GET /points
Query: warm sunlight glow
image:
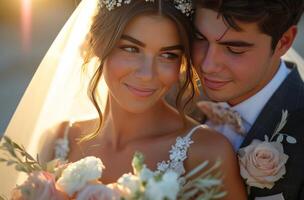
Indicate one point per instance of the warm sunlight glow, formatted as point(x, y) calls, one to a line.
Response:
point(26, 24)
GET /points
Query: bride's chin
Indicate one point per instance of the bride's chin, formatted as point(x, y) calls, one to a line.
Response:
point(137, 109)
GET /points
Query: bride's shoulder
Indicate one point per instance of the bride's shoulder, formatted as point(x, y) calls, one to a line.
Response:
point(74, 129)
point(209, 145)
point(67, 135)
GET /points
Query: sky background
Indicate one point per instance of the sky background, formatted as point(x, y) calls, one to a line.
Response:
point(19, 59)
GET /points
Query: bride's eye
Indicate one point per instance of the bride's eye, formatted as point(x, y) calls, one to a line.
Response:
point(130, 49)
point(170, 56)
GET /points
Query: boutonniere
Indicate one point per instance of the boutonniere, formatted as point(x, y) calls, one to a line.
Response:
point(262, 163)
point(217, 114)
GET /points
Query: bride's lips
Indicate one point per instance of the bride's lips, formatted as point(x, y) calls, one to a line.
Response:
point(139, 91)
point(214, 84)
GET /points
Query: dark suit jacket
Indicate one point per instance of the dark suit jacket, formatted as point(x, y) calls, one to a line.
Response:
point(289, 96)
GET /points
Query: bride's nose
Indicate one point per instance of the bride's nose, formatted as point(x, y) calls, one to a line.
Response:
point(145, 70)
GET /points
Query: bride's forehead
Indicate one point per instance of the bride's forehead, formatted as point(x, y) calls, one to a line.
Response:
point(147, 27)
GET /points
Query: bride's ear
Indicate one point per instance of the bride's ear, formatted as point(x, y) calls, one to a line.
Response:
point(286, 40)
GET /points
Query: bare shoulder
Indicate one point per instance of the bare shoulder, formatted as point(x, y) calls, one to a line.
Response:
point(209, 145)
point(74, 131)
point(212, 146)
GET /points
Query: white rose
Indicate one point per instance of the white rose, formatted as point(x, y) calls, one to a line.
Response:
point(262, 163)
point(129, 182)
point(79, 173)
point(120, 190)
point(166, 188)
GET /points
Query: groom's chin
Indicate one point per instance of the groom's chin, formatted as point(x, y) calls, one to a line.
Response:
point(220, 96)
point(216, 96)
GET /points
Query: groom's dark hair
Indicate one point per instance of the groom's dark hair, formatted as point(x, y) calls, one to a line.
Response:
point(273, 17)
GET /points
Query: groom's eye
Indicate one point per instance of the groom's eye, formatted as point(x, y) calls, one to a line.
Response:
point(237, 51)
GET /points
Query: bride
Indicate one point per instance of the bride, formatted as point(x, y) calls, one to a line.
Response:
point(140, 64)
point(142, 49)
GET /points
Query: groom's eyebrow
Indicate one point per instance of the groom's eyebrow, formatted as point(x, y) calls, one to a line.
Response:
point(236, 43)
point(197, 32)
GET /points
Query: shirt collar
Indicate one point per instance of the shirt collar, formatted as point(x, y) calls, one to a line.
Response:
point(251, 107)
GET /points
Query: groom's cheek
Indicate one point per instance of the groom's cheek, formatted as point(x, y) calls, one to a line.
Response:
point(198, 55)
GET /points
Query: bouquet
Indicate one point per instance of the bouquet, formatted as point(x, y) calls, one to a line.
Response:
point(59, 180)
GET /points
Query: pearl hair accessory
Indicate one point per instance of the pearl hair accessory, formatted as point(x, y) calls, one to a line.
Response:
point(185, 6)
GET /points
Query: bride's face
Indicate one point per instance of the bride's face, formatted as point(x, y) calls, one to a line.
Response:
point(145, 63)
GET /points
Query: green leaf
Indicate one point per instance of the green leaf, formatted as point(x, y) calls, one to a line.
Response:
point(3, 198)
point(11, 162)
point(197, 169)
point(220, 195)
point(209, 182)
point(18, 156)
point(191, 193)
point(280, 138)
point(291, 140)
point(266, 138)
point(137, 162)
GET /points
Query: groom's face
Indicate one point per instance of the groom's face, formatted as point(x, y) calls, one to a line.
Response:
point(233, 65)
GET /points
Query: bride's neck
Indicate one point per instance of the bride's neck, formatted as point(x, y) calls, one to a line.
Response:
point(122, 127)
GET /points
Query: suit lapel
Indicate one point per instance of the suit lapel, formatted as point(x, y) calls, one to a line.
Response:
point(284, 98)
point(265, 123)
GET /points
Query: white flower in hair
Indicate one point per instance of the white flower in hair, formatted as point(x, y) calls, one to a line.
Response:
point(112, 4)
point(185, 6)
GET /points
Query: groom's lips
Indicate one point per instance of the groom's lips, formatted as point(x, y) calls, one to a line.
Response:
point(214, 84)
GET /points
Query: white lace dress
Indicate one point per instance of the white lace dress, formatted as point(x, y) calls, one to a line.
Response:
point(177, 154)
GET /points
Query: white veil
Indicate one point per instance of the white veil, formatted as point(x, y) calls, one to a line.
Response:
point(56, 93)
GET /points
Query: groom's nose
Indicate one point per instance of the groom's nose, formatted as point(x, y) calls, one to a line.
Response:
point(211, 61)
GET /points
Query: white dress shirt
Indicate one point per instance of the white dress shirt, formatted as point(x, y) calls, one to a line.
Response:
point(251, 107)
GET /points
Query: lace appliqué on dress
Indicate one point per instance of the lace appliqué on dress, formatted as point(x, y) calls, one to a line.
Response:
point(62, 148)
point(178, 154)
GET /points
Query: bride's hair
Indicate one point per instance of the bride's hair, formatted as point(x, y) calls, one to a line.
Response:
point(107, 28)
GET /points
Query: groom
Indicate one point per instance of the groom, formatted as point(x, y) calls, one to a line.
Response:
point(237, 51)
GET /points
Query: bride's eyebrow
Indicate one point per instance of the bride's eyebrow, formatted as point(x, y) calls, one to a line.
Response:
point(139, 43)
point(174, 47)
point(133, 40)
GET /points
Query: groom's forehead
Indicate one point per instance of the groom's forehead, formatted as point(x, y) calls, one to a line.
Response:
point(210, 23)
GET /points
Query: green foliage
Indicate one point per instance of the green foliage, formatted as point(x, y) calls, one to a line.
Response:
point(14, 154)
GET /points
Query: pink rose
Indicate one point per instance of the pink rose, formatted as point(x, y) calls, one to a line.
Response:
point(39, 185)
point(97, 192)
point(262, 163)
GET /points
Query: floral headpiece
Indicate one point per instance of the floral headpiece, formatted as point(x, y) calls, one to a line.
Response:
point(185, 6)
